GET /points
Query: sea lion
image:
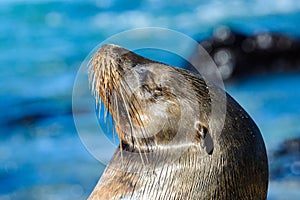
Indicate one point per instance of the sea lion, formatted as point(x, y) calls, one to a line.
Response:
point(169, 148)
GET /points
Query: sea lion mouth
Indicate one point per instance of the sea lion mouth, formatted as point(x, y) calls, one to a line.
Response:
point(146, 99)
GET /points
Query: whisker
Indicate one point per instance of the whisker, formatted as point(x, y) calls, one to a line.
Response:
point(136, 110)
point(141, 151)
point(131, 126)
point(102, 76)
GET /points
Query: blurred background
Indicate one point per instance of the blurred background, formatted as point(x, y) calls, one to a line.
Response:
point(254, 43)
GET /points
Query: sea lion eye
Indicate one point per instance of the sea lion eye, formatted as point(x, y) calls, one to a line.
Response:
point(203, 137)
point(157, 92)
point(155, 95)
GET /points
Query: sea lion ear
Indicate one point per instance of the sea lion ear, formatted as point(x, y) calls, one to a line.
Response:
point(203, 137)
point(209, 144)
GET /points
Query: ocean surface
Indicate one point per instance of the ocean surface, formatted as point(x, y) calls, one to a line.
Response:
point(42, 46)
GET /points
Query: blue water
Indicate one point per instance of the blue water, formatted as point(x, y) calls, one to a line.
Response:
point(42, 45)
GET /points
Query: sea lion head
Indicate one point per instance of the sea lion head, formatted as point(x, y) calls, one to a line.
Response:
point(153, 105)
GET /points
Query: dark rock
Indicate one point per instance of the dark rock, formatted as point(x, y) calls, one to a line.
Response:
point(285, 161)
point(238, 55)
point(289, 147)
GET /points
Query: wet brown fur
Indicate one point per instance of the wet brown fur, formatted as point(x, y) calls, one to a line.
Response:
point(166, 165)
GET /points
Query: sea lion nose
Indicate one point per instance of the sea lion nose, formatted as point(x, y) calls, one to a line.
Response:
point(113, 50)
